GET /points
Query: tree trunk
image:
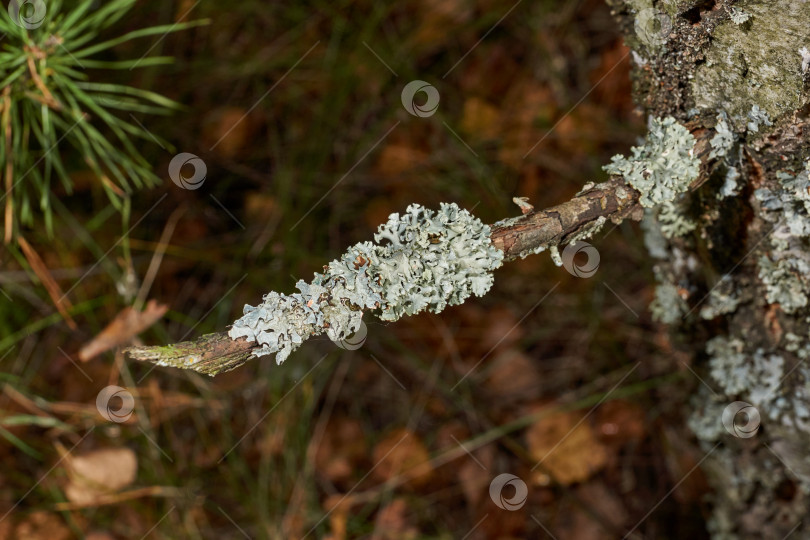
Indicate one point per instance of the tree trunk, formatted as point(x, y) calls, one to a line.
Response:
point(733, 265)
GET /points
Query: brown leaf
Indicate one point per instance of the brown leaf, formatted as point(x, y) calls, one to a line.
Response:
point(341, 450)
point(42, 526)
point(393, 524)
point(338, 507)
point(402, 452)
point(98, 473)
point(566, 447)
point(512, 377)
point(230, 129)
point(396, 159)
point(619, 422)
point(479, 119)
point(126, 325)
point(474, 476)
point(598, 514)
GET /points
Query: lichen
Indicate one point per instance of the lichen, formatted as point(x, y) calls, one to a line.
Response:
point(556, 258)
point(730, 186)
point(421, 260)
point(757, 116)
point(785, 281)
point(722, 299)
point(672, 217)
point(754, 63)
point(707, 410)
point(723, 139)
point(667, 307)
point(663, 166)
point(788, 207)
point(739, 16)
point(757, 376)
point(654, 239)
point(590, 229)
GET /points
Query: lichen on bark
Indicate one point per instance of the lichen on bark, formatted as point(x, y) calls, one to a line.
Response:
point(755, 62)
point(733, 252)
point(420, 260)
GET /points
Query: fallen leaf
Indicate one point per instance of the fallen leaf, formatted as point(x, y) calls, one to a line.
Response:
point(97, 473)
point(341, 449)
point(619, 422)
point(229, 130)
point(479, 119)
point(597, 514)
point(126, 325)
point(402, 452)
point(474, 476)
point(392, 522)
point(42, 526)
point(502, 329)
point(566, 447)
point(512, 377)
point(396, 159)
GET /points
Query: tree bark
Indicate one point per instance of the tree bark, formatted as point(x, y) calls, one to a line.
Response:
point(732, 274)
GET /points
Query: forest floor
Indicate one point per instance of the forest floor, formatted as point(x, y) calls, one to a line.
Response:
point(561, 381)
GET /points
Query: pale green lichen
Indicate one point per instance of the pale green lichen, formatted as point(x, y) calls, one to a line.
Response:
point(730, 186)
point(654, 239)
point(663, 166)
point(757, 116)
point(722, 299)
point(805, 54)
point(588, 230)
point(723, 139)
point(789, 207)
point(420, 260)
point(667, 307)
point(672, 217)
point(707, 410)
point(758, 376)
point(739, 16)
point(781, 395)
point(556, 258)
point(785, 281)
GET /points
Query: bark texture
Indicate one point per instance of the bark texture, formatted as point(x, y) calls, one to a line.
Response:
point(733, 255)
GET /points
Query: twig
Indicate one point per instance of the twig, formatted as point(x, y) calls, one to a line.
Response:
point(516, 237)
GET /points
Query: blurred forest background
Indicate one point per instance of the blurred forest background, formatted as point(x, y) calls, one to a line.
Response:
point(295, 110)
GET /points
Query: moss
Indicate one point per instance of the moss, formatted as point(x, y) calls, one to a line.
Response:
point(755, 63)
